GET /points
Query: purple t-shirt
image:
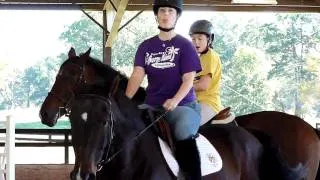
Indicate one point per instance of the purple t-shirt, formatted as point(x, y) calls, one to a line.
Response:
point(164, 63)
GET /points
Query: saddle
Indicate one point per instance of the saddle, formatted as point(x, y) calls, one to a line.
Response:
point(161, 128)
point(211, 161)
point(225, 116)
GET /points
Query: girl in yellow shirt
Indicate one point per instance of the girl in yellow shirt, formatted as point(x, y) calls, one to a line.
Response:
point(207, 83)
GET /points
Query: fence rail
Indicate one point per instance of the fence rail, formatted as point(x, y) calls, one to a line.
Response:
point(43, 142)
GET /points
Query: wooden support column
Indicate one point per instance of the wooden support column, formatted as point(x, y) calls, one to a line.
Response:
point(118, 8)
point(116, 22)
point(106, 50)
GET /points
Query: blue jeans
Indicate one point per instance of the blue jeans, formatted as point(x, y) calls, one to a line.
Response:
point(184, 121)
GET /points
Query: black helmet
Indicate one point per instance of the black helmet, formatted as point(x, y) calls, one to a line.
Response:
point(177, 4)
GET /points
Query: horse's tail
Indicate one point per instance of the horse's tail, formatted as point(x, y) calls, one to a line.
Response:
point(272, 163)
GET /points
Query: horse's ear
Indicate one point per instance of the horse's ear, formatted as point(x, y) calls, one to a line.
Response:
point(87, 54)
point(72, 53)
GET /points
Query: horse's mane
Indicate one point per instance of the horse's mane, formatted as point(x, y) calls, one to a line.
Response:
point(107, 71)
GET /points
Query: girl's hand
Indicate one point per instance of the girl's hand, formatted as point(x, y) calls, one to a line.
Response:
point(170, 104)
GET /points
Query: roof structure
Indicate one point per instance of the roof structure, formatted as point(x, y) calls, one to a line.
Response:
point(209, 5)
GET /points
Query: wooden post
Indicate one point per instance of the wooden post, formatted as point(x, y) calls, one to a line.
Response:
point(10, 139)
point(106, 50)
point(116, 22)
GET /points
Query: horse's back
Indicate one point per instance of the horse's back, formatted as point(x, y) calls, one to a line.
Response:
point(296, 138)
point(240, 151)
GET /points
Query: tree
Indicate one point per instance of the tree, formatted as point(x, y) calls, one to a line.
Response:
point(311, 89)
point(130, 37)
point(293, 39)
point(84, 34)
point(245, 89)
point(36, 81)
point(243, 86)
point(287, 41)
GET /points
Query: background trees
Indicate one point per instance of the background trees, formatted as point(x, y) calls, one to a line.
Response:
point(270, 61)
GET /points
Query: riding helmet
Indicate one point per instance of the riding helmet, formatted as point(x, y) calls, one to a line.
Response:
point(202, 27)
point(177, 4)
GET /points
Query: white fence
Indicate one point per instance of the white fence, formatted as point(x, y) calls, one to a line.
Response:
point(7, 165)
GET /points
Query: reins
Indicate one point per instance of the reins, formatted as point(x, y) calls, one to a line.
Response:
point(81, 80)
point(114, 88)
point(107, 160)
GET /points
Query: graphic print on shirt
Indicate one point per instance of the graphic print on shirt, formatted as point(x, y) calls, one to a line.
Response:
point(162, 60)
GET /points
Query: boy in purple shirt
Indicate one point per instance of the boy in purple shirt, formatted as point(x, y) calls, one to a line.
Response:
point(170, 62)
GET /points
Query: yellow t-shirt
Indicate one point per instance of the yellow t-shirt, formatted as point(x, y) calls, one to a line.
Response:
point(211, 64)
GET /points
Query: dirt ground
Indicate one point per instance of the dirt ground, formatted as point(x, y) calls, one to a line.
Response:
point(43, 172)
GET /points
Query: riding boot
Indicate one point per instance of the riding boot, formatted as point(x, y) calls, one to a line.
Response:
point(188, 158)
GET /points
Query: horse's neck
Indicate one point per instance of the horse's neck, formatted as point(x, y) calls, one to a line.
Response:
point(140, 150)
point(96, 89)
point(139, 160)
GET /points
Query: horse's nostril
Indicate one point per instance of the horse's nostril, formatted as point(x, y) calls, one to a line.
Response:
point(44, 115)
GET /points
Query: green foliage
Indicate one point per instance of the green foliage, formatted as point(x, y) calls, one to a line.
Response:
point(130, 37)
point(30, 86)
point(270, 61)
point(84, 34)
point(244, 88)
point(287, 41)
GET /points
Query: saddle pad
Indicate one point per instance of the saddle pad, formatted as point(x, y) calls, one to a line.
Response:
point(211, 161)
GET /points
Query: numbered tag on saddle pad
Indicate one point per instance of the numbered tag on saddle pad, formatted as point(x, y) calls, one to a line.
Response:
point(211, 161)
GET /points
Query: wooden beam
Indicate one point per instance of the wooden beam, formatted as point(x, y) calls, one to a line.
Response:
point(239, 8)
point(137, 5)
point(286, 9)
point(106, 50)
point(87, 7)
point(116, 23)
point(57, 1)
point(108, 6)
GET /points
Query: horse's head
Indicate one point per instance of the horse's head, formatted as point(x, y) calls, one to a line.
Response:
point(71, 76)
point(92, 125)
point(81, 74)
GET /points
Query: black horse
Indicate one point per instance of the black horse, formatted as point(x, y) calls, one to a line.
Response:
point(240, 151)
point(106, 135)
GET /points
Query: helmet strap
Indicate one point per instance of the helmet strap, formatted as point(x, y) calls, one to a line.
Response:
point(205, 51)
point(165, 29)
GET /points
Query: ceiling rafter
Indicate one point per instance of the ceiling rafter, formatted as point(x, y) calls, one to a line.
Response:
point(211, 5)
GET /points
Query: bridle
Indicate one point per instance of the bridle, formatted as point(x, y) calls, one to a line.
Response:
point(114, 87)
point(106, 159)
point(66, 108)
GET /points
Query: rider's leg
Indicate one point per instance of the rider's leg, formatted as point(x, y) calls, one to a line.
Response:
point(207, 113)
point(188, 157)
point(184, 122)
